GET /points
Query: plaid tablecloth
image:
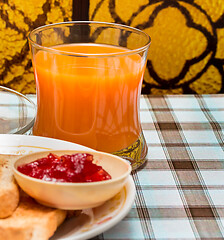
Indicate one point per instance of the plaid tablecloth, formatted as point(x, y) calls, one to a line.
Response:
point(180, 190)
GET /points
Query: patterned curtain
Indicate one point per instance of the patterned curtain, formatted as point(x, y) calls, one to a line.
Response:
point(186, 54)
point(17, 19)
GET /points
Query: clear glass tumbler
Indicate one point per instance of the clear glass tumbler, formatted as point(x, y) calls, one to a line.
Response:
point(88, 81)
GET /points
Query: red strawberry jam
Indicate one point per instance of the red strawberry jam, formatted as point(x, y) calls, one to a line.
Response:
point(77, 167)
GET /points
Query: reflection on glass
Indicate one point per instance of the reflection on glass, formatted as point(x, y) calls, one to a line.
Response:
point(17, 112)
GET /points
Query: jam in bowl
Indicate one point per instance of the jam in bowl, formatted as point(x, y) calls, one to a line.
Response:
point(78, 167)
point(69, 179)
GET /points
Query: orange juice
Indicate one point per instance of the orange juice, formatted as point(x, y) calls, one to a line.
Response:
point(92, 100)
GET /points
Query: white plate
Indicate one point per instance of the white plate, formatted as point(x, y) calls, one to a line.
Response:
point(82, 227)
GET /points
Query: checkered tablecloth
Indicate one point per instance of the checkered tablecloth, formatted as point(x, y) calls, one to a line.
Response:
point(180, 190)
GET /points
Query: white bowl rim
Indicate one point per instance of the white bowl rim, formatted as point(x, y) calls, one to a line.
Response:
point(78, 184)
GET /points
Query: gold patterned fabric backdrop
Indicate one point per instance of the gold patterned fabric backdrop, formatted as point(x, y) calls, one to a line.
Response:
point(18, 18)
point(187, 50)
point(186, 54)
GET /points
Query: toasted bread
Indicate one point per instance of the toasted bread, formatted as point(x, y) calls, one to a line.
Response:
point(31, 221)
point(9, 192)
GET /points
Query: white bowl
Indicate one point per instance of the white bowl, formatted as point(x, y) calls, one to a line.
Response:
point(73, 196)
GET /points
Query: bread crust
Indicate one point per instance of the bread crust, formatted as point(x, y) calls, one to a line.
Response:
point(9, 191)
point(31, 221)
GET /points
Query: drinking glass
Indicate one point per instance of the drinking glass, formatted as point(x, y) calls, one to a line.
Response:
point(88, 83)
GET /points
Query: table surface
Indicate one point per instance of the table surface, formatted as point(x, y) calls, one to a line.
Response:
point(180, 190)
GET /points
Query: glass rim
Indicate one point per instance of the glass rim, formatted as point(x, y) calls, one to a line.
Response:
point(113, 25)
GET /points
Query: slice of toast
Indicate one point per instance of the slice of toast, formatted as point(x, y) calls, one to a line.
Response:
point(9, 192)
point(31, 221)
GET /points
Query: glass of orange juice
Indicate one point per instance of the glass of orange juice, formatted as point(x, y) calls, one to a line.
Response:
point(88, 81)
